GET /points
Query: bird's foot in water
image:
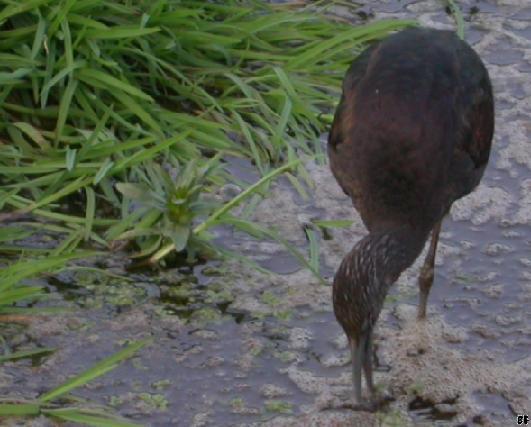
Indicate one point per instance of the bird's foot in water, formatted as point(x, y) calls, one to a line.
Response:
point(371, 405)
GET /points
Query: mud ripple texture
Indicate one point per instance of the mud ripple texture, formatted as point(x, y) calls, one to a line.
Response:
point(264, 349)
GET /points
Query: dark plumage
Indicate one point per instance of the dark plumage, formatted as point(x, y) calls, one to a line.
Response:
point(411, 135)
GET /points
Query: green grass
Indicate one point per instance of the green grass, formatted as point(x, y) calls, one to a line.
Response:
point(47, 404)
point(458, 18)
point(14, 290)
point(115, 117)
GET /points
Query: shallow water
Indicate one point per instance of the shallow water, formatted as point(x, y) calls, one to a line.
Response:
point(235, 347)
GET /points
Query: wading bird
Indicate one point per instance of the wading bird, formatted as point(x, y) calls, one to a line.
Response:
point(412, 134)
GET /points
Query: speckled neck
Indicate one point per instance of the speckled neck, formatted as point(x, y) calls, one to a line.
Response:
point(394, 251)
point(368, 271)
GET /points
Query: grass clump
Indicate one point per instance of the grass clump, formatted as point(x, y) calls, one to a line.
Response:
point(46, 404)
point(116, 116)
point(15, 291)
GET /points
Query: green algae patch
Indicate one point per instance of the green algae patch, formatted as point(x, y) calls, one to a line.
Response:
point(278, 406)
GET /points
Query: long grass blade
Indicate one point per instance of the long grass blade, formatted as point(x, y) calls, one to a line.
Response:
point(96, 371)
point(87, 417)
point(26, 354)
point(458, 17)
point(19, 409)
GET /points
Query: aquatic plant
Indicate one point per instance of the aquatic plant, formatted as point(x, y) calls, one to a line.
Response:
point(97, 95)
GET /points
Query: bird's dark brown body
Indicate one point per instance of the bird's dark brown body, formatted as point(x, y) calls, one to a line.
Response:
point(411, 135)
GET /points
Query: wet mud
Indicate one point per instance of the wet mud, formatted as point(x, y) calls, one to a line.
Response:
point(236, 347)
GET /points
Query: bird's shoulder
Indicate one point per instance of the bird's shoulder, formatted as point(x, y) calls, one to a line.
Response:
point(354, 74)
point(476, 105)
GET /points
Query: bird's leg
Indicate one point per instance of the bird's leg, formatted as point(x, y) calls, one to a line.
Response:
point(356, 352)
point(360, 358)
point(361, 351)
point(426, 272)
point(377, 400)
point(357, 348)
point(367, 364)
